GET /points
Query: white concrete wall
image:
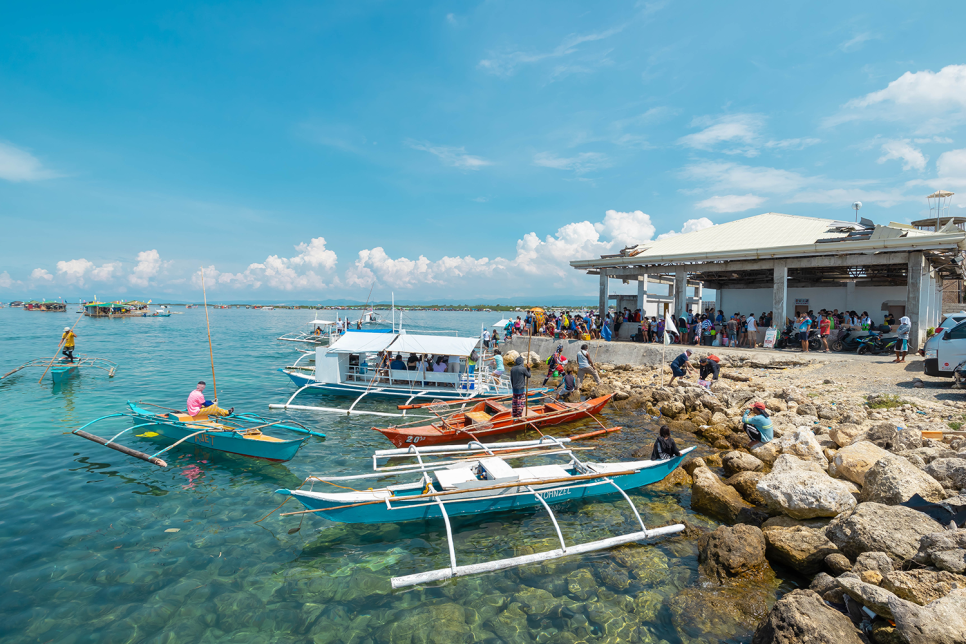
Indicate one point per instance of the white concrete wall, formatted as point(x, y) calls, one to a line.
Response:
point(867, 298)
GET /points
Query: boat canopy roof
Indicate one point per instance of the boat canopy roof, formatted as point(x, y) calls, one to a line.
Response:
point(361, 342)
point(502, 323)
point(321, 322)
point(404, 343)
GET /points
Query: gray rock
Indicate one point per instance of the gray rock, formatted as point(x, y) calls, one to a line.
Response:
point(845, 433)
point(945, 550)
point(894, 480)
point(802, 494)
point(931, 453)
point(940, 622)
point(712, 497)
point(787, 462)
point(872, 597)
point(949, 472)
point(879, 562)
point(801, 617)
point(730, 552)
point(802, 444)
point(800, 548)
point(907, 439)
point(806, 409)
point(822, 583)
point(922, 586)
point(894, 530)
point(746, 483)
point(853, 461)
point(734, 462)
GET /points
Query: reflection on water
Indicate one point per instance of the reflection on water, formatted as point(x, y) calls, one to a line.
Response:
point(101, 547)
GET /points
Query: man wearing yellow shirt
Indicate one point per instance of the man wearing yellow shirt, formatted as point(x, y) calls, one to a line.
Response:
point(68, 340)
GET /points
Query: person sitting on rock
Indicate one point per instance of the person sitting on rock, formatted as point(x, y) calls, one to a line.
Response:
point(758, 427)
point(664, 446)
point(708, 370)
point(569, 383)
point(680, 366)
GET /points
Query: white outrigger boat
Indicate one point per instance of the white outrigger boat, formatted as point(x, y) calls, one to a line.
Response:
point(476, 480)
point(359, 364)
point(321, 333)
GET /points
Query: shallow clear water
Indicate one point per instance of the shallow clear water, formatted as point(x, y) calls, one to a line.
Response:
point(88, 555)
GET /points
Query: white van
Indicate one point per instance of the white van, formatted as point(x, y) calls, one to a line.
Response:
point(947, 353)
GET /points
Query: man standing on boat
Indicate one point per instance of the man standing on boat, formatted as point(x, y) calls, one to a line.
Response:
point(519, 375)
point(198, 406)
point(68, 340)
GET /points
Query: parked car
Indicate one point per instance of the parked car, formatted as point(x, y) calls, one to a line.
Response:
point(949, 322)
point(949, 352)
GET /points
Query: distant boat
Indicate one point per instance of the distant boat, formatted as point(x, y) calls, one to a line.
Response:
point(321, 333)
point(45, 307)
point(60, 369)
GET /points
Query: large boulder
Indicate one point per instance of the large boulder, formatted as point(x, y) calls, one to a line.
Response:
point(845, 433)
point(894, 530)
point(940, 622)
point(730, 552)
point(802, 494)
point(802, 617)
point(787, 462)
point(712, 497)
point(802, 444)
point(945, 550)
point(907, 439)
point(877, 562)
point(922, 586)
point(894, 480)
point(768, 452)
point(929, 453)
point(853, 461)
point(869, 595)
point(746, 483)
point(800, 548)
point(948, 472)
point(734, 462)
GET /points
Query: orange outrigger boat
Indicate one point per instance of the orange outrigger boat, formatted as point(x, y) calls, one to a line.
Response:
point(491, 416)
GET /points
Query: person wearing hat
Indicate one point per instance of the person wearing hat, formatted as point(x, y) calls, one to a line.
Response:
point(557, 359)
point(708, 370)
point(519, 375)
point(680, 366)
point(758, 427)
point(68, 339)
point(902, 343)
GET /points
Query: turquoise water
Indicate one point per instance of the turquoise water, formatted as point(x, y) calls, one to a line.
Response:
point(100, 547)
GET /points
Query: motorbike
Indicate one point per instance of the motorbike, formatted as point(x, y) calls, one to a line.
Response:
point(847, 342)
point(781, 342)
point(876, 344)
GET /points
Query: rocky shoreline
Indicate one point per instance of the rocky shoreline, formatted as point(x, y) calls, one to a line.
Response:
point(823, 498)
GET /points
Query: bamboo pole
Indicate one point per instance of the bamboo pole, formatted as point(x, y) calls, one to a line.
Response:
point(121, 448)
point(54, 359)
point(566, 479)
point(211, 353)
point(526, 383)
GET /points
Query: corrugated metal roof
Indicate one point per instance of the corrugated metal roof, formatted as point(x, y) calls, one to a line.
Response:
point(761, 231)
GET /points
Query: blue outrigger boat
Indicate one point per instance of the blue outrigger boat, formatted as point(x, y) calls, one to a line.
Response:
point(235, 434)
point(61, 369)
point(482, 485)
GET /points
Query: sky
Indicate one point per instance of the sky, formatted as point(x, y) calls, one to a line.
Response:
point(447, 150)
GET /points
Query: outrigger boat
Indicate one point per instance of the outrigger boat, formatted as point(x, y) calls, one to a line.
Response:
point(323, 333)
point(235, 434)
point(483, 483)
point(491, 417)
point(61, 369)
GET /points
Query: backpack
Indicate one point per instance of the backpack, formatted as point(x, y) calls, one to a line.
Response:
point(711, 356)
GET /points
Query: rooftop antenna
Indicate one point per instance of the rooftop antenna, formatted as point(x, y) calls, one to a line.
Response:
point(943, 198)
point(856, 205)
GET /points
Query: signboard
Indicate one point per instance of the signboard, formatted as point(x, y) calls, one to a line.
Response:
point(801, 300)
point(770, 336)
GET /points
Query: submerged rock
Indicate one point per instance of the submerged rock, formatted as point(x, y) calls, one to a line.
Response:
point(802, 617)
point(894, 530)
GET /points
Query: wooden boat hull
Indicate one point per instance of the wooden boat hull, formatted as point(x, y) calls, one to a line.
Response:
point(61, 372)
point(433, 434)
point(356, 390)
point(512, 498)
point(230, 442)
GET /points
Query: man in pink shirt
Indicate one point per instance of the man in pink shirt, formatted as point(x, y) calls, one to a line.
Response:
point(198, 406)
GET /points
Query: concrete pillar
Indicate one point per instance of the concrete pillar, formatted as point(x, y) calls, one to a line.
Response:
point(915, 303)
point(603, 294)
point(779, 295)
point(850, 296)
point(699, 296)
point(641, 292)
point(718, 293)
point(680, 292)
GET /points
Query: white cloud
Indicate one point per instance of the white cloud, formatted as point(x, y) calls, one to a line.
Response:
point(855, 42)
point(39, 274)
point(451, 156)
point(626, 228)
point(792, 144)
point(105, 272)
point(731, 203)
point(19, 165)
point(315, 254)
point(912, 157)
point(934, 101)
point(74, 271)
point(506, 63)
point(845, 196)
point(690, 226)
point(580, 164)
point(277, 272)
point(149, 265)
point(934, 139)
point(730, 128)
point(8, 282)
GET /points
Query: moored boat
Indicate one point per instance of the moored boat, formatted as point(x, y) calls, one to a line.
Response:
point(61, 369)
point(45, 307)
point(489, 418)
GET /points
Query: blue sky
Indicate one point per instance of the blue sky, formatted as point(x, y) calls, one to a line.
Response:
point(447, 150)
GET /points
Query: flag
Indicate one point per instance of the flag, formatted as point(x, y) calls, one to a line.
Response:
point(669, 327)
